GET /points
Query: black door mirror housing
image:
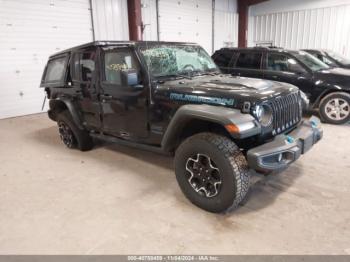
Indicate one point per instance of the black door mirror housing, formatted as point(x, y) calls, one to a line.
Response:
point(129, 77)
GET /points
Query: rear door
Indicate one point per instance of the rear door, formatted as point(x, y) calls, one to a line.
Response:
point(222, 59)
point(247, 64)
point(83, 72)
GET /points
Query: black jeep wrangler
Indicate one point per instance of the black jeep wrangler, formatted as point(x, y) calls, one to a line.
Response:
point(171, 98)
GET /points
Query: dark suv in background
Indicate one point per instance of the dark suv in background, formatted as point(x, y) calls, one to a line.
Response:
point(327, 88)
point(330, 58)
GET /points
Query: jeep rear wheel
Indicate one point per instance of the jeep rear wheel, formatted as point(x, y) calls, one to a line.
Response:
point(335, 108)
point(212, 172)
point(71, 135)
point(66, 134)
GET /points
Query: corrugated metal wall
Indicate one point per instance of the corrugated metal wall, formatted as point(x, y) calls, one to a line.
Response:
point(327, 27)
point(110, 19)
point(226, 29)
point(225, 24)
point(30, 31)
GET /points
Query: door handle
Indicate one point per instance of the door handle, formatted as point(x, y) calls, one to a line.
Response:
point(105, 97)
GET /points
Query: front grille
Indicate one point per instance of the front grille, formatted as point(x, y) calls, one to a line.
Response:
point(287, 112)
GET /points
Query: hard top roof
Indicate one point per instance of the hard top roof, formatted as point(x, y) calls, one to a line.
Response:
point(258, 48)
point(116, 43)
point(318, 50)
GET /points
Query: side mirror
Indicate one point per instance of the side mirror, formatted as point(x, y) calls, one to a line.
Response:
point(129, 77)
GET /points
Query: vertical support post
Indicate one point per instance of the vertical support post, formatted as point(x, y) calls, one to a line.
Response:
point(157, 14)
point(92, 21)
point(243, 8)
point(135, 20)
point(242, 23)
point(213, 27)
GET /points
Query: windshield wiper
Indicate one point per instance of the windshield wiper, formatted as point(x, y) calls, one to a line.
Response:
point(177, 75)
point(191, 74)
point(208, 73)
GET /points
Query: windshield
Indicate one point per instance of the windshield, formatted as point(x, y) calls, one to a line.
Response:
point(173, 60)
point(310, 61)
point(339, 58)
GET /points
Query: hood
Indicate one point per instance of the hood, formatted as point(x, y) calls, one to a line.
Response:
point(336, 76)
point(227, 89)
point(346, 66)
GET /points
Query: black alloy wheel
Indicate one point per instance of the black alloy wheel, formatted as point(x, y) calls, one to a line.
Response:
point(66, 134)
point(203, 175)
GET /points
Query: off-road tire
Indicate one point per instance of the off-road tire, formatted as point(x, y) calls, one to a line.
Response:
point(325, 100)
point(82, 140)
point(229, 159)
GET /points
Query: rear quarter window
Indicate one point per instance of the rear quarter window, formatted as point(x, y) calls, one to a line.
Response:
point(223, 59)
point(55, 71)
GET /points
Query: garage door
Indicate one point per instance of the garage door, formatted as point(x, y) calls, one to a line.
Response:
point(187, 21)
point(30, 31)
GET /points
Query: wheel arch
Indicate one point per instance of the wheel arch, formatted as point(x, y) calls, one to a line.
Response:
point(327, 93)
point(192, 119)
point(59, 105)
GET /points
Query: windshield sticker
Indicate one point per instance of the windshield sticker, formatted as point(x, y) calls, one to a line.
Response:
point(117, 67)
point(201, 99)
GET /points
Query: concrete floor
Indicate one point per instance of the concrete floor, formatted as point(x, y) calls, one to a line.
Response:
point(115, 199)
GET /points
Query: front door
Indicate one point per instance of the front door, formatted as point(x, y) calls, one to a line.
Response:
point(284, 68)
point(124, 106)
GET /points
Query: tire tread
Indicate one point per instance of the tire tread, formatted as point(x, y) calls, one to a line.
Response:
point(84, 140)
point(236, 159)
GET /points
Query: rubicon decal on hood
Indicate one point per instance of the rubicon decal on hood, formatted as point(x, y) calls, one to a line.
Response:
point(201, 99)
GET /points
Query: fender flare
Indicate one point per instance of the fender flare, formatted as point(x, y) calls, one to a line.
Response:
point(70, 105)
point(326, 93)
point(215, 114)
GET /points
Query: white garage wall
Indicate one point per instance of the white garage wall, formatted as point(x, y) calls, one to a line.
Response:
point(178, 22)
point(149, 19)
point(110, 19)
point(30, 31)
point(325, 26)
point(186, 21)
point(276, 6)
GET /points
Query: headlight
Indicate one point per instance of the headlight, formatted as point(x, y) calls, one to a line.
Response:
point(263, 114)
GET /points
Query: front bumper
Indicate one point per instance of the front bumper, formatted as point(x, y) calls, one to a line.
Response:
point(285, 148)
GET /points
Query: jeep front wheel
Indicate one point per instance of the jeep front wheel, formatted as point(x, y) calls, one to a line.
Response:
point(212, 172)
point(71, 135)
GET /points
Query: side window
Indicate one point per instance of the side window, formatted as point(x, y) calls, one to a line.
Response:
point(326, 60)
point(116, 61)
point(249, 60)
point(280, 62)
point(320, 57)
point(223, 59)
point(84, 66)
point(56, 69)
